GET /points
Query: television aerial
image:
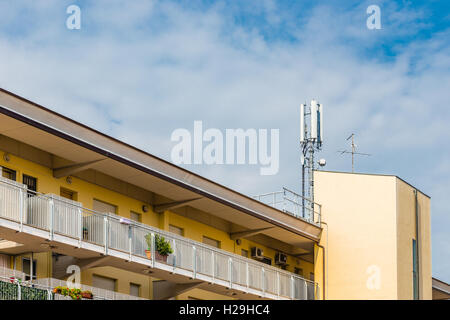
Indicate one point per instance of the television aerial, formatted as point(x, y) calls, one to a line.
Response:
point(353, 152)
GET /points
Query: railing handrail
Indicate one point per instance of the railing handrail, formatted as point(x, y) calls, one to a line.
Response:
point(151, 229)
point(272, 200)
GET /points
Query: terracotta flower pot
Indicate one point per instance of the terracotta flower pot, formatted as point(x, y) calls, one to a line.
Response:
point(160, 257)
point(86, 295)
point(148, 253)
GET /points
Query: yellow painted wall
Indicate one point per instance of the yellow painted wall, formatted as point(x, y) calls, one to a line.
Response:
point(406, 232)
point(43, 263)
point(202, 295)
point(123, 279)
point(360, 212)
point(319, 271)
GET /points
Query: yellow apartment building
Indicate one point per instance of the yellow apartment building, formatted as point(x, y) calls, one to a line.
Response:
point(377, 229)
point(77, 206)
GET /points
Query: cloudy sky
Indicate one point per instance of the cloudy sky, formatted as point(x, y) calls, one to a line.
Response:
point(138, 70)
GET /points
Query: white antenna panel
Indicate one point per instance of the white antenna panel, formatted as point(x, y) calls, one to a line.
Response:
point(321, 122)
point(313, 119)
point(302, 123)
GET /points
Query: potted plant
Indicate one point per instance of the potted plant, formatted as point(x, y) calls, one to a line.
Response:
point(148, 239)
point(87, 294)
point(162, 247)
point(85, 233)
point(74, 293)
point(57, 289)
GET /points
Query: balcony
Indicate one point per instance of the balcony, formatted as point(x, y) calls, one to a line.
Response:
point(68, 224)
point(292, 204)
point(14, 287)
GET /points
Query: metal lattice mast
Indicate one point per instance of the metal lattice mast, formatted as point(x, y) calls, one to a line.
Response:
point(311, 139)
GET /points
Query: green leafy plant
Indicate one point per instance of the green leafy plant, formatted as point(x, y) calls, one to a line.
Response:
point(74, 293)
point(10, 291)
point(148, 239)
point(162, 246)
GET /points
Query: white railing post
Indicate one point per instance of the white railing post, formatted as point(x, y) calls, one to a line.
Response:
point(52, 212)
point(105, 234)
point(19, 291)
point(306, 290)
point(263, 280)
point(130, 240)
point(292, 288)
point(22, 208)
point(320, 215)
point(194, 261)
point(213, 264)
point(80, 227)
point(230, 271)
point(247, 275)
point(153, 249)
point(174, 254)
point(278, 284)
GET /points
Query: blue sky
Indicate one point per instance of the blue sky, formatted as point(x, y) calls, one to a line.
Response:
point(138, 70)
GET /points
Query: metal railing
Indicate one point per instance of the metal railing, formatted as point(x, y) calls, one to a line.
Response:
point(293, 204)
point(14, 287)
point(112, 232)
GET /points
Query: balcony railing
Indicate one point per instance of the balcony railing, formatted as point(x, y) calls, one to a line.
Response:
point(14, 287)
point(293, 204)
point(59, 216)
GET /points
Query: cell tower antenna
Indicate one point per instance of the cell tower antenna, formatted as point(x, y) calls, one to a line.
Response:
point(353, 152)
point(311, 140)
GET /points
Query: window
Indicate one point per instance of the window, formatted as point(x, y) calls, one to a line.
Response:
point(211, 242)
point(104, 207)
point(311, 276)
point(244, 253)
point(68, 194)
point(104, 282)
point(31, 184)
point(8, 173)
point(176, 230)
point(415, 273)
point(135, 216)
point(134, 289)
point(26, 268)
point(4, 261)
point(298, 271)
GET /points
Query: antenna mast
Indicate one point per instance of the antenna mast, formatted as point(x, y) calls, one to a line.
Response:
point(311, 139)
point(353, 152)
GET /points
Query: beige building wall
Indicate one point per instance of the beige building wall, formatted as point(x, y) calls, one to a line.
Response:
point(369, 224)
point(406, 232)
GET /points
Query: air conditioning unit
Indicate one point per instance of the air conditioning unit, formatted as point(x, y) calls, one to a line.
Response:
point(280, 259)
point(257, 253)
